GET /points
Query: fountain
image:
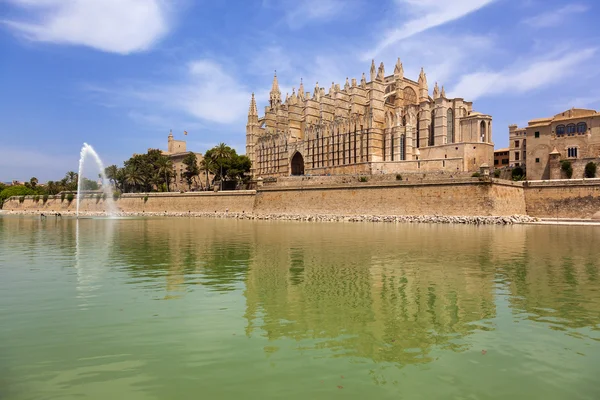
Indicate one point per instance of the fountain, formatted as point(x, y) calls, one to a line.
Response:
point(106, 187)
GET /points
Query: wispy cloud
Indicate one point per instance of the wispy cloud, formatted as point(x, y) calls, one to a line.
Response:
point(203, 90)
point(116, 26)
point(298, 13)
point(426, 14)
point(554, 18)
point(519, 79)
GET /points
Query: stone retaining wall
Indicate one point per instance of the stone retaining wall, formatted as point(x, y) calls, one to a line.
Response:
point(569, 198)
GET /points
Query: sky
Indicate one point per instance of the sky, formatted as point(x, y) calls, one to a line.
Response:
point(120, 74)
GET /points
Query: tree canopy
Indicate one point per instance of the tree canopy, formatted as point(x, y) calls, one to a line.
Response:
point(228, 165)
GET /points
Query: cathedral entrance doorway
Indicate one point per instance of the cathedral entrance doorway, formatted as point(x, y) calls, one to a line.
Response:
point(297, 164)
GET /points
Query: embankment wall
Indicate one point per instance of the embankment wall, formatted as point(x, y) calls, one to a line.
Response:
point(235, 201)
point(468, 197)
point(465, 198)
point(569, 198)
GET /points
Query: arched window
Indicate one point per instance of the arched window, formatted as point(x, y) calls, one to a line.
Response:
point(581, 127)
point(418, 132)
point(450, 122)
point(402, 147)
point(482, 132)
point(560, 130)
point(570, 129)
point(432, 129)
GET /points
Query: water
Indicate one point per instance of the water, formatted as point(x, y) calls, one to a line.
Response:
point(196, 308)
point(106, 187)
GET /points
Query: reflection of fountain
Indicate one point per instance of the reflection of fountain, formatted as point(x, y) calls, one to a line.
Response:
point(106, 188)
point(91, 256)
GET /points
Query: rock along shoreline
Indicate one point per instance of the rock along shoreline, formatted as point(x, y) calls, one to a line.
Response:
point(414, 219)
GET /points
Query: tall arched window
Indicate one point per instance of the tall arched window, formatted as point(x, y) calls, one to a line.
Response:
point(482, 132)
point(560, 130)
point(418, 132)
point(402, 147)
point(581, 127)
point(570, 129)
point(450, 122)
point(432, 129)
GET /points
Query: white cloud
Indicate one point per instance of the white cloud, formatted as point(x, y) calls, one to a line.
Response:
point(298, 13)
point(554, 18)
point(117, 26)
point(204, 91)
point(426, 14)
point(519, 79)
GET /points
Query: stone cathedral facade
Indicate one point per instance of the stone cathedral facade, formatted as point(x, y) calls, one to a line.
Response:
point(390, 124)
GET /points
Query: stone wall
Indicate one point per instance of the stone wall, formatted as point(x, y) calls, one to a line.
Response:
point(442, 198)
point(573, 198)
point(238, 201)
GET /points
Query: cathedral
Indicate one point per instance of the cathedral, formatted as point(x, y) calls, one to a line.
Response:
point(387, 125)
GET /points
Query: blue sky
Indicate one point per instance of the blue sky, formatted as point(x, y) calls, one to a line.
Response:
point(119, 74)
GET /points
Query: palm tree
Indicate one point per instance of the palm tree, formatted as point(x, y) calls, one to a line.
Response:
point(133, 176)
point(220, 153)
point(111, 173)
point(164, 168)
point(207, 166)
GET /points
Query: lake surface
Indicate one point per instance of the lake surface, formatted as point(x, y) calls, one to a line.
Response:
point(225, 309)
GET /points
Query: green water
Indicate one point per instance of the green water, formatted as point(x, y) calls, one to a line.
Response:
point(226, 309)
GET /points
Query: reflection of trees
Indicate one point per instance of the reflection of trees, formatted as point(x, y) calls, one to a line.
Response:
point(387, 294)
point(183, 251)
point(555, 280)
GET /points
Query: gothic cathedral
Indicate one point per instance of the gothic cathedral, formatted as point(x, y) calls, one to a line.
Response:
point(388, 125)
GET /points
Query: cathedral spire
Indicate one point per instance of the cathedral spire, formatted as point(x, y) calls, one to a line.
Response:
point(436, 92)
point(253, 110)
point(372, 70)
point(347, 84)
point(275, 95)
point(443, 92)
point(363, 81)
point(317, 93)
point(301, 90)
point(381, 72)
point(399, 69)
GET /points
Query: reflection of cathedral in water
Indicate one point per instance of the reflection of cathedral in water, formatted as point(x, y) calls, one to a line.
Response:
point(363, 301)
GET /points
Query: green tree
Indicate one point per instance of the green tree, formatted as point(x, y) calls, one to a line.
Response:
point(590, 170)
point(518, 174)
point(33, 182)
point(17, 190)
point(207, 166)
point(70, 181)
point(133, 177)
point(229, 164)
point(88, 184)
point(191, 168)
point(567, 168)
point(164, 168)
point(112, 174)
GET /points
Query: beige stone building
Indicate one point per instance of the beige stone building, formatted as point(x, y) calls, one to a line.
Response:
point(501, 158)
point(517, 141)
point(389, 124)
point(571, 135)
point(177, 150)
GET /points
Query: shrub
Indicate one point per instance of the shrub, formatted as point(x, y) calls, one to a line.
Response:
point(45, 198)
point(36, 198)
point(497, 173)
point(517, 174)
point(62, 197)
point(567, 168)
point(70, 197)
point(476, 175)
point(590, 170)
point(116, 196)
point(363, 179)
point(145, 198)
point(21, 199)
point(398, 177)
